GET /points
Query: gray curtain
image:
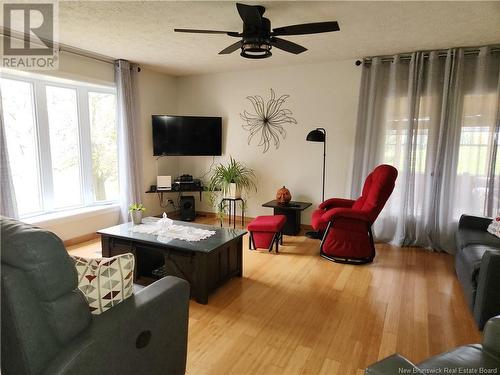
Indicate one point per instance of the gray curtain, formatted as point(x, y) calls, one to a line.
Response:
point(8, 204)
point(129, 160)
point(435, 117)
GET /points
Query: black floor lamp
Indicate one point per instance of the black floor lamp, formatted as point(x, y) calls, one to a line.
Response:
point(319, 135)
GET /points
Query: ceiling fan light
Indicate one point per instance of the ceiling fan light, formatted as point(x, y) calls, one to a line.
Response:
point(252, 50)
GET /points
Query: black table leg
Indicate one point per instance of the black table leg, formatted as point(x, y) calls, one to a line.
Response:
point(234, 214)
point(239, 257)
point(232, 207)
point(292, 225)
point(297, 222)
point(221, 215)
point(201, 280)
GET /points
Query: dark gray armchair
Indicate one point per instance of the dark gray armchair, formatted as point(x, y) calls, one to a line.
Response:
point(477, 263)
point(47, 327)
point(468, 359)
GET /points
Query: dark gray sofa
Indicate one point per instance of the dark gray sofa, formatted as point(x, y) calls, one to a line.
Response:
point(477, 263)
point(467, 359)
point(46, 323)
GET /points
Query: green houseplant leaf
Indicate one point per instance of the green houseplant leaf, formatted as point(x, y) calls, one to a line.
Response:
point(234, 172)
point(136, 207)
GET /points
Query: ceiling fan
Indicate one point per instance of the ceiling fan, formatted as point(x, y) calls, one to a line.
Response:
point(257, 38)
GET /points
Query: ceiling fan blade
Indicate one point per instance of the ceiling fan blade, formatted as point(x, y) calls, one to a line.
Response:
point(287, 46)
point(307, 28)
point(233, 47)
point(250, 14)
point(204, 31)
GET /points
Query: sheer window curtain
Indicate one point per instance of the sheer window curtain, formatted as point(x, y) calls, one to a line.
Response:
point(129, 160)
point(8, 204)
point(435, 117)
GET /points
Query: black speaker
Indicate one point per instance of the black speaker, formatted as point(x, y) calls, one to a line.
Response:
point(188, 212)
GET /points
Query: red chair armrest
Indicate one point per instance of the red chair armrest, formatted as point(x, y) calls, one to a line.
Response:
point(336, 202)
point(346, 213)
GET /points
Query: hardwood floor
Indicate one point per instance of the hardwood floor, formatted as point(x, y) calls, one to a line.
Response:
point(296, 313)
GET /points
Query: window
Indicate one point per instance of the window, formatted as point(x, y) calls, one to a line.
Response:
point(104, 145)
point(62, 111)
point(396, 135)
point(21, 134)
point(401, 143)
point(474, 154)
point(476, 138)
point(62, 143)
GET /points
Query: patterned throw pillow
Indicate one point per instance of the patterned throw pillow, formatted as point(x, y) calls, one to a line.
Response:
point(494, 227)
point(105, 282)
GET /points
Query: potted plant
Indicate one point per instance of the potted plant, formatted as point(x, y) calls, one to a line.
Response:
point(230, 181)
point(136, 210)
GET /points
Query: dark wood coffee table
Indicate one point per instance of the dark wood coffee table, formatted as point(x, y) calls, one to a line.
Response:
point(205, 264)
point(292, 211)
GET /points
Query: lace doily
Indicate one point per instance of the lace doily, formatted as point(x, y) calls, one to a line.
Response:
point(166, 230)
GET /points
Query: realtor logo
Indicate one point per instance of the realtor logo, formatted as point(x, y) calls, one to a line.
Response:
point(29, 36)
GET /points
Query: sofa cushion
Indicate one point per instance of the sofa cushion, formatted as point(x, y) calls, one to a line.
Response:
point(38, 252)
point(105, 282)
point(465, 358)
point(467, 265)
point(467, 237)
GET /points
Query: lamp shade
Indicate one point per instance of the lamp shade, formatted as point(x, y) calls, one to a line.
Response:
point(316, 135)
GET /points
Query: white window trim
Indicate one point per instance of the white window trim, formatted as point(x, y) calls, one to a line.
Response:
point(39, 83)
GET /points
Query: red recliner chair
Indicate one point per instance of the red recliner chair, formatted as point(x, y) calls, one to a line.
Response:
point(347, 224)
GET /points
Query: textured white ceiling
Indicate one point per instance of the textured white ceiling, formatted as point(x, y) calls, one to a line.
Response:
point(143, 31)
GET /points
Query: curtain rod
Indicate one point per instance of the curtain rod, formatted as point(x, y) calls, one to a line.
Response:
point(62, 47)
point(90, 55)
point(83, 53)
point(407, 56)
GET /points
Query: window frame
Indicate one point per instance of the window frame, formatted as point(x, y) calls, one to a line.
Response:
point(44, 161)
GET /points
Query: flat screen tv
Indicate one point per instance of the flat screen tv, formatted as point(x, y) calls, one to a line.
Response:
point(187, 135)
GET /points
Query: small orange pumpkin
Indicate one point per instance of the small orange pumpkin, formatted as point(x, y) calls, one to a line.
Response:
point(283, 195)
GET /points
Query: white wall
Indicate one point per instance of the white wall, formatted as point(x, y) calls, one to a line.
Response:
point(321, 95)
point(80, 223)
point(157, 95)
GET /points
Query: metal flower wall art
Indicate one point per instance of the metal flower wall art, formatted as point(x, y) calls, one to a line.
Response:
point(268, 120)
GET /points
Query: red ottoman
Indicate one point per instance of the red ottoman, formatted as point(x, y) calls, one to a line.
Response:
point(265, 231)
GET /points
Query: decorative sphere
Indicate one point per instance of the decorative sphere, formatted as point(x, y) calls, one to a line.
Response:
point(283, 195)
